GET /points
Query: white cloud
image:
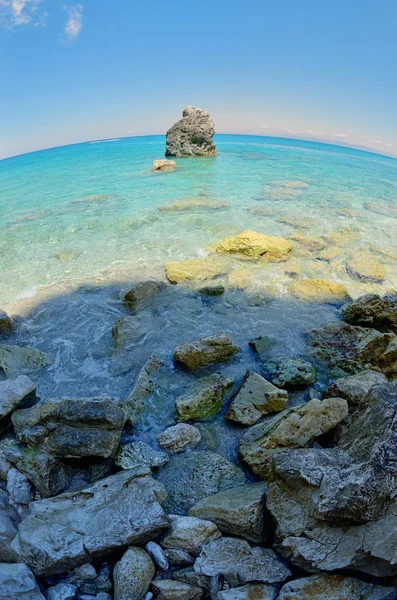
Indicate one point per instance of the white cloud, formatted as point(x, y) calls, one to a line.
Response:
point(18, 12)
point(74, 24)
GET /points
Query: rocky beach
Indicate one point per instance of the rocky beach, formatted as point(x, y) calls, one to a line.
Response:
point(221, 428)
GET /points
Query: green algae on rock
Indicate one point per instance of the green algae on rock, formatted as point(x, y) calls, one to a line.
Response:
point(205, 399)
point(372, 310)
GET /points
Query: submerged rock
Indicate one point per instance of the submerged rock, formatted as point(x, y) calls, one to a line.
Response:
point(294, 428)
point(138, 454)
point(17, 581)
point(194, 269)
point(334, 587)
point(14, 360)
point(126, 331)
point(15, 393)
point(212, 290)
point(192, 135)
point(292, 372)
point(239, 511)
point(169, 589)
point(190, 534)
point(164, 165)
point(64, 532)
point(374, 311)
point(205, 399)
point(205, 351)
point(186, 204)
point(143, 290)
point(5, 324)
point(355, 387)
point(132, 575)
point(145, 385)
point(256, 245)
point(318, 290)
point(256, 397)
point(365, 266)
point(179, 437)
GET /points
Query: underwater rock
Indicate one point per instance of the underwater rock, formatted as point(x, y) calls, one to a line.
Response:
point(139, 454)
point(374, 311)
point(169, 589)
point(239, 511)
point(257, 246)
point(145, 385)
point(121, 510)
point(190, 533)
point(5, 324)
point(292, 372)
point(253, 591)
point(164, 165)
point(192, 476)
point(294, 428)
point(143, 290)
point(205, 399)
point(192, 135)
point(297, 221)
point(354, 388)
point(17, 581)
point(132, 575)
point(205, 351)
point(386, 210)
point(14, 360)
point(212, 290)
point(291, 184)
point(256, 397)
point(179, 437)
point(15, 393)
point(186, 204)
point(72, 428)
point(125, 331)
point(334, 587)
point(318, 290)
point(309, 242)
point(194, 269)
point(364, 266)
point(239, 279)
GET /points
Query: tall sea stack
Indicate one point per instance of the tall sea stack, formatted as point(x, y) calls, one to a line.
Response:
point(192, 135)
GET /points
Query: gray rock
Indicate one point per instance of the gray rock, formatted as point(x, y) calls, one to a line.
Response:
point(126, 331)
point(139, 454)
point(18, 487)
point(254, 591)
point(5, 324)
point(86, 572)
point(164, 165)
point(179, 437)
point(9, 520)
point(240, 562)
point(334, 587)
point(72, 428)
point(239, 511)
point(374, 311)
point(144, 289)
point(145, 386)
point(158, 556)
point(120, 510)
point(192, 476)
point(132, 575)
point(200, 353)
point(17, 581)
point(15, 360)
point(256, 398)
point(355, 387)
point(204, 399)
point(192, 135)
point(190, 576)
point(169, 589)
point(292, 373)
point(15, 393)
point(177, 557)
point(62, 591)
point(190, 533)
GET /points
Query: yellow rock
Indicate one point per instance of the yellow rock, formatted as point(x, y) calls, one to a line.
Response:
point(293, 269)
point(239, 279)
point(329, 253)
point(318, 290)
point(256, 245)
point(194, 269)
point(363, 265)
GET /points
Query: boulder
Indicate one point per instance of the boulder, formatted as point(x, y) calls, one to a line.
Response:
point(179, 437)
point(253, 591)
point(164, 165)
point(292, 372)
point(5, 324)
point(192, 476)
point(189, 575)
point(194, 204)
point(143, 290)
point(239, 511)
point(169, 589)
point(256, 398)
point(139, 454)
point(334, 587)
point(179, 558)
point(294, 428)
point(355, 387)
point(17, 581)
point(18, 487)
point(205, 351)
point(64, 532)
point(374, 311)
point(256, 246)
point(72, 428)
point(192, 135)
point(132, 575)
point(190, 534)
point(15, 393)
point(194, 269)
point(318, 290)
point(240, 563)
point(364, 266)
point(203, 400)
point(9, 520)
point(346, 350)
point(15, 360)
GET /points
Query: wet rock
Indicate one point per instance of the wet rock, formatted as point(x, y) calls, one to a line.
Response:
point(132, 575)
point(294, 428)
point(17, 581)
point(14, 360)
point(72, 428)
point(187, 204)
point(205, 351)
point(169, 589)
point(256, 397)
point(192, 135)
point(334, 587)
point(126, 331)
point(5, 324)
point(192, 476)
point(179, 437)
point(374, 311)
point(261, 345)
point(239, 511)
point(18, 487)
point(120, 510)
point(190, 533)
point(62, 591)
point(143, 290)
point(139, 454)
point(145, 385)
point(194, 269)
point(157, 555)
point(205, 399)
point(256, 245)
point(365, 266)
point(318, 290)
point(164, 165)
point(240, 562)
point(254, 591)
point(15, 393)
point(347, 350)
point(212, 290)
point(355, 387)
point(292, 372)
point(179, 557)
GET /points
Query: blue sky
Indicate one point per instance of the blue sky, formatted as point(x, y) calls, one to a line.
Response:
point(73, 71)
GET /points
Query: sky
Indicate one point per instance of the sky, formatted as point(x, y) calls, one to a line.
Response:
point(97, 69)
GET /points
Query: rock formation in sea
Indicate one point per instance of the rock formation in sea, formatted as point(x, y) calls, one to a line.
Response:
point(192, 135)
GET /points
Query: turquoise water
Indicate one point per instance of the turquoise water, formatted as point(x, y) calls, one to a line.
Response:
point(90, 212)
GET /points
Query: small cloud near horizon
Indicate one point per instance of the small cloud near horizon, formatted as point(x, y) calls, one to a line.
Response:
point(74, 24)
